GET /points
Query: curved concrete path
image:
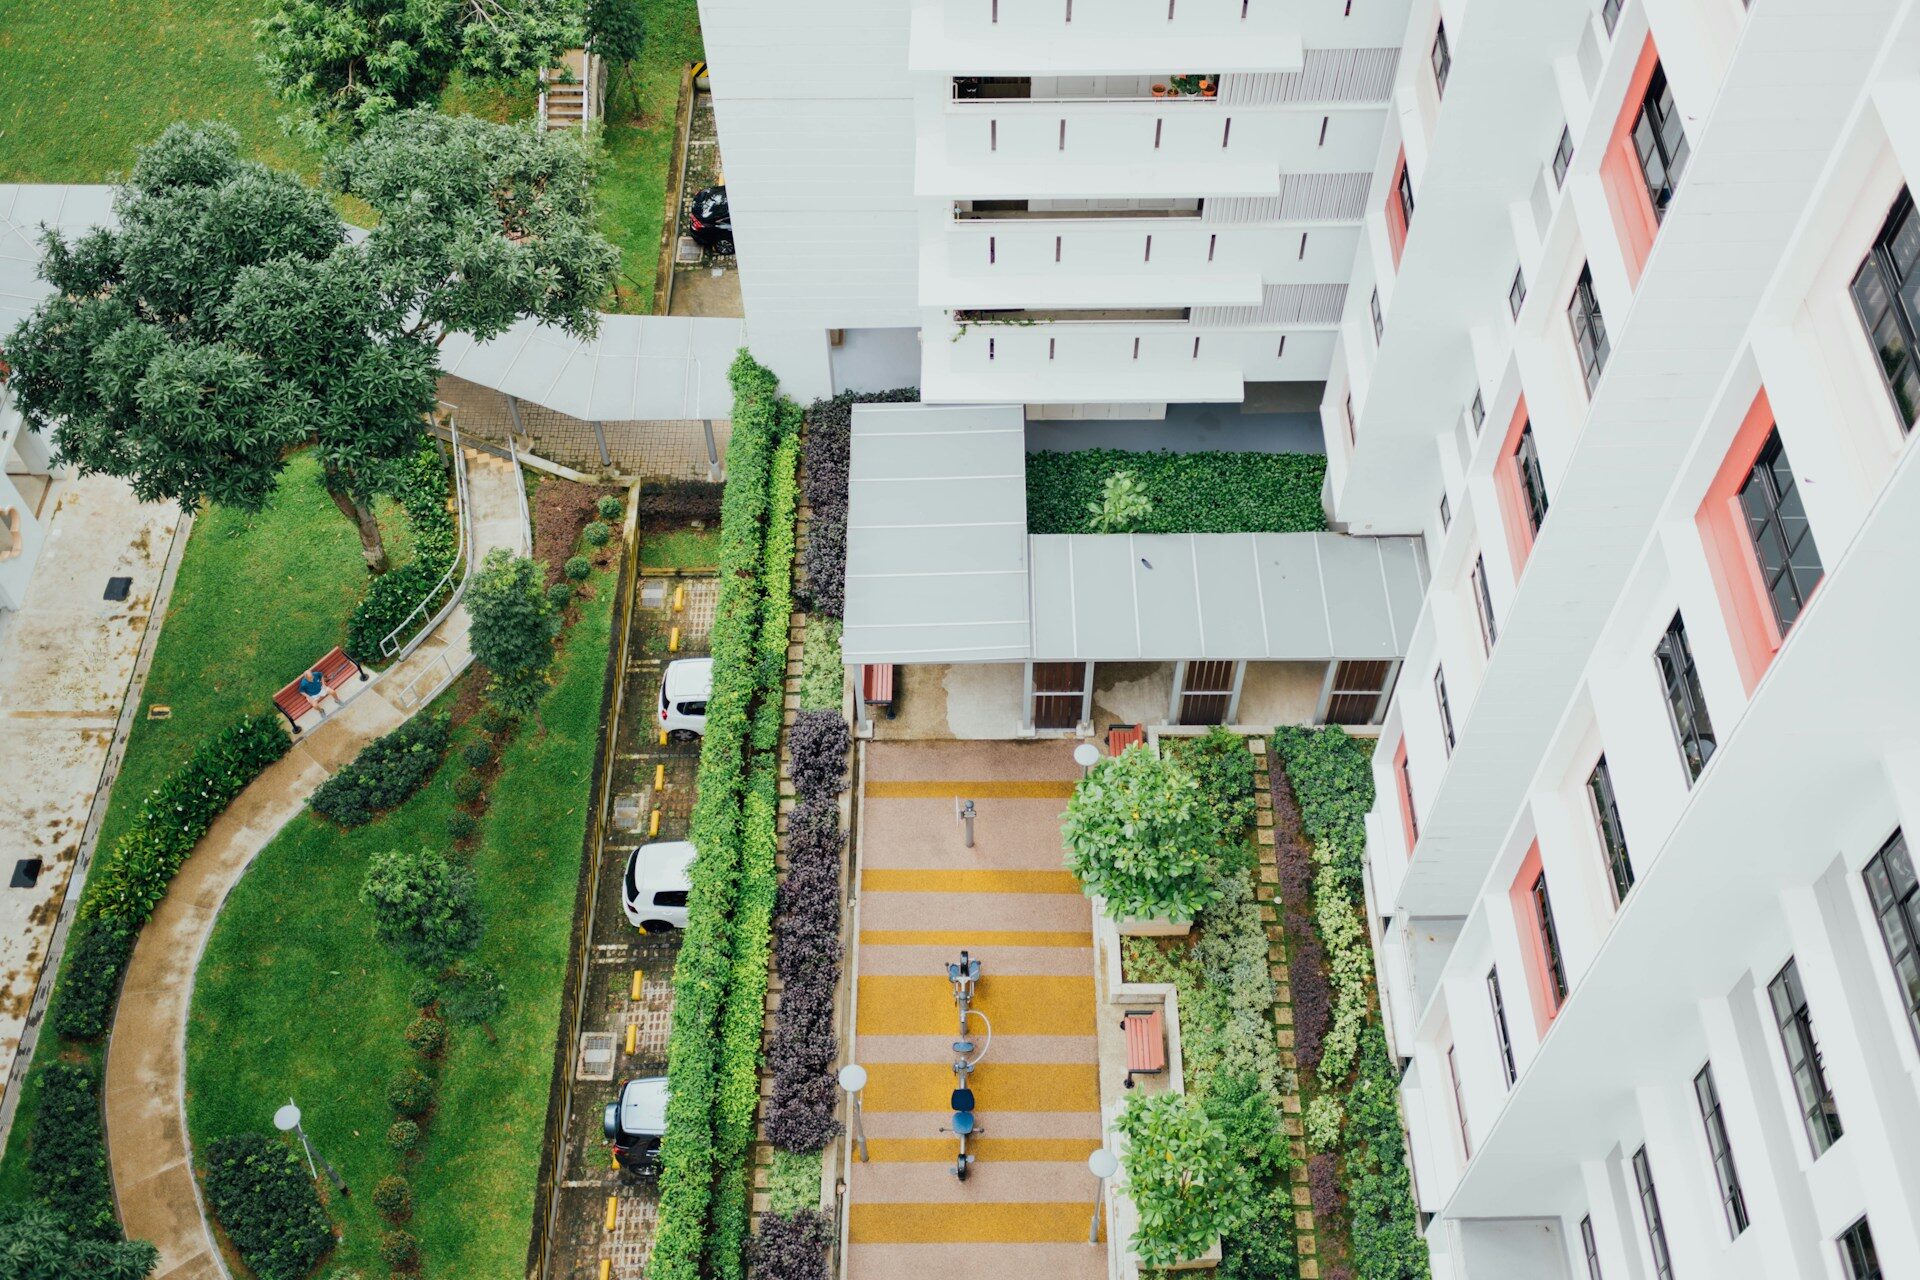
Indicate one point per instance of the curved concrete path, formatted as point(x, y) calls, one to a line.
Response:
point(146, 1115)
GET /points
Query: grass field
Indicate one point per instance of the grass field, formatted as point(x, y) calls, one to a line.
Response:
point(639, 146)
point(295, 996)
point(680, 549)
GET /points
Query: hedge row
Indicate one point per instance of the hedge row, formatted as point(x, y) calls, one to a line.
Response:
point(265, 1200)
point(386, 772)
point(829, 432)
point(420, 487)
point(1190, 492)
point(67, 1160)
point(713, 1050)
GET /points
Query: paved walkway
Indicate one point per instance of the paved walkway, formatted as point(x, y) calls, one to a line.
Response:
point(1025, 1208)
point(146, 1058)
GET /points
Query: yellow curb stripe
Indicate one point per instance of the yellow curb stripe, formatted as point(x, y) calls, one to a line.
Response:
point(983, 790)
point(997, 1087)
point(990, 1150)
point(989, 1223)
point(887, 880)
point(979, 940)
point(1018, 1004)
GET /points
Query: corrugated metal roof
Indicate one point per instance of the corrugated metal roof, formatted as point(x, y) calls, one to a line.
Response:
point(937, 534)
point(70, 210)
point(647, 368)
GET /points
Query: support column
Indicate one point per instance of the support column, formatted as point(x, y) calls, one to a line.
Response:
point(1326, 692)
point(1086, 697)
point(1179, 686)
point(1233, 699)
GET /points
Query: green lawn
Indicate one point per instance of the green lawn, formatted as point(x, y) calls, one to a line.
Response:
point(681, 549)
point(296, 996)
point(639, 143)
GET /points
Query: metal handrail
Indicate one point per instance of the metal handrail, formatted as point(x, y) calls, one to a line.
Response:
point(520, 492)
point(462, 561)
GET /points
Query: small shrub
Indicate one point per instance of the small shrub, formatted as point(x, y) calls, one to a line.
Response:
point(817, 748)
point(560, 594)
point(400, 1250)
point(1180, 1175)
point(1223, 765)
point(793, 1183)
point(1323, 1185)
point(791, 1246)
point(1249, 1121)
point(822, 678)
point(478, 755)
point(1122, 506)
point(403, 1135)
point(385, 774)
point(596, 534)
point(475, 996)
point(97, 955)
point(577, 568)
point(393, 1198)
point(610, 506)
point(424, 907)
point(493, 720)
point(467, 787)
point(423, 993)
point(410, 1092)
point(1322, 1120)
point(426, 1036)
point(462, 825)
point(263, 1196)
point(1262, 1248)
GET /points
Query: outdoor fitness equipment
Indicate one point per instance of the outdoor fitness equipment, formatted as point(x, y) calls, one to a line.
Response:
point(965, 975)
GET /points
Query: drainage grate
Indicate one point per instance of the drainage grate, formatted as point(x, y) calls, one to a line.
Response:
point(596, 1056)
point(686, 252)
point(626, 812)
point(117, 588)
point(26, 873)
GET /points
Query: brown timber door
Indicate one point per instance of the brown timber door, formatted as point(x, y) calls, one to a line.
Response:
point(1207, 693)
point(1059, 689)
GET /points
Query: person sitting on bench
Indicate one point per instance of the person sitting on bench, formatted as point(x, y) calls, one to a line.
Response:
point(314, 686)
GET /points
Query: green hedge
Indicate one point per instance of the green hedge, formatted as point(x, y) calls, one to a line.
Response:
point(713, 1051)
point(1333, 783)
point(420, 487)
point(386, 772)
point(1191, 492)
point(68, 1159)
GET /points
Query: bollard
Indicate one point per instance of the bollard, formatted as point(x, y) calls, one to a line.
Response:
point(660, 777)
point(606, 1269)
point(639, 983)
point(673, 640)
point(653, 824)
point(613, 1158)
point(680, 597)
point(613, 1210)
point(663, 737)
point(633, 1037)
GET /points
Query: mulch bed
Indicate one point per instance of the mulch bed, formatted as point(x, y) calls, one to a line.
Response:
point(561, 509)
point(674, 504)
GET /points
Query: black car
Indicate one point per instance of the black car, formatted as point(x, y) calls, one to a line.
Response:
point(712, 221)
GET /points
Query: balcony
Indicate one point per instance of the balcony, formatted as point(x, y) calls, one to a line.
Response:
point(1194, 88)
point(1071, 315)
point(1065, 210)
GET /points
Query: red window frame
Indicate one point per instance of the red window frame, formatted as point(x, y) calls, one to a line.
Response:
point(1620, 176)
point(1533, 947)
point(1506, 486)
point(1396, 216)
point(1403, 783)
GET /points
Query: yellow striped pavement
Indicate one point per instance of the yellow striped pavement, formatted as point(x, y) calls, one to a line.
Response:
point(1009, 1086)
point(895, 880)
point(1035, 1222)
point(988, 1149)
point(1016, 1004)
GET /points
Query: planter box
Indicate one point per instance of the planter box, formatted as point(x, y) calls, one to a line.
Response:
point(1153, 926)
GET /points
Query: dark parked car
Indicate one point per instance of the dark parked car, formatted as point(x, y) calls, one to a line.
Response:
point(712, 221)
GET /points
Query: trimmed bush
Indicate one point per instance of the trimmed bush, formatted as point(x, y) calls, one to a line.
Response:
point(1333, 784)
point(393, 1198)
point(467, 787)
point(478, 755)
point(817, 748)
point(1180, 1176)
point(829, 433)
point(1138, 834)
point(1220, 761)
point(577, 568)
point(400, 1250)
point(610, 506)
point(83, 1003)
point(462, 825)
point(403, 1135)
point(426, 1036)
point(792, 1247)
point(423, 993)
point(793, 1182)
point(410, 1091)
point(67, 1152)
point(802, 1112)
point(266, 1201)
point(560, 594)
point(595, 534)
point(385, 774)
point(822, 678)
point(424, 906)
point(1262, 1247)
point(1187, 492)
point(514, 627)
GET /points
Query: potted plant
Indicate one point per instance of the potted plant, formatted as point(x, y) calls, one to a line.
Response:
point(1160, 90)
point(1209, 87)
point(1182, 1180)
point(1187, 86)
point(1138, 835)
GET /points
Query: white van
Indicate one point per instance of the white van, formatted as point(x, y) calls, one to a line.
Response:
point(654, 890)
point(683, 698)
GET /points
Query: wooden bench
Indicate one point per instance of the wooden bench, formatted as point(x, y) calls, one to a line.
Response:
point(334, 668)
point(1122, 736)
point(1146, 1031)
point(876, 686)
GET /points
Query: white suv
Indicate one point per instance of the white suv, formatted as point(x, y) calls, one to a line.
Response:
point(683, 698)
point(654, 889)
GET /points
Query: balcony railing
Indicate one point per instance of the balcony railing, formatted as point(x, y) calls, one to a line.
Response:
point(1063, 210)
point(1055, 89)
point(1023, 317)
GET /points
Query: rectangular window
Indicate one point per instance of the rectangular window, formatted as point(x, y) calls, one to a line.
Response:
point(1501, 1036)
point(1517, 292)
point(1610, 14)
point(1563, 157)
point(1549, 938)
point(1483, 604)
point(1732, 1201)
point(1442, 59)
point(1782, 538)
point(1379, 322)
point(1404, 190)
point(1446, 711)
point(1650, 1213)
point(1406, 799)
point(1895, 896)
point(1533, 485)
point(1857, 1253)
point(1590, 1249)
point(1446, 514)
point(1686, 702)
point(1815, 1096)
point(1613, 838)
point(1589, 329)
point(1459, 1104)
point(1478, 412)
point(1887, 295)
point(1659, 143)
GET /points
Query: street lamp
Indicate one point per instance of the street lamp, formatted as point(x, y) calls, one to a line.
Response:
point(287, 1120)
point(1086, 755)
point(1102, 1164)
point(965, 812)
point(853, 1078)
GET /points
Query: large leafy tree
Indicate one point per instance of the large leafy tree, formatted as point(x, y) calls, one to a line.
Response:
point(345, 64)
point(617, 30)
point(513, 628)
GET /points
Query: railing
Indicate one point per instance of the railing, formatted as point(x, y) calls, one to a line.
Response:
point(520, 492)
point(390, 647)
point(1066, 215)
point(998, 90)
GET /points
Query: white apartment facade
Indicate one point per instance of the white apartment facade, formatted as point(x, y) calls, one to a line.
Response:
point(1642, 370)
point(1067, 203)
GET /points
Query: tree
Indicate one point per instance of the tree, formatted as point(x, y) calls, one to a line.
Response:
point(1181, 1177)
point(617, 30)
point(36, 1245)
point(1138, 834)
point(1122, 506)
point(514, 627)
point(346, 64)
point(423, 906)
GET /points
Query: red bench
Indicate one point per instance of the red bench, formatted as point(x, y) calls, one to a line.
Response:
point(334, 668)
point(876, 686)
point(1122, 736)
point(1146, 1042)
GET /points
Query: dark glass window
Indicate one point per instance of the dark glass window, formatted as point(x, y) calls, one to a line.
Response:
point(1459, 1104)
point(1404, 189)
point(1478, 412)
point(1857, 1252)
point(1590, 1249)
point(1790, 1012)
point(1549, 938)
point(1887, 295)
point(1613, 838)
point(1483, 604)
point(1895, 896)
point(1442, 59)
point(1446, 710)
point(1610, 14)
point(1782, 538)
point(1589, 329)
point(1533, 485)
point(1727, 1178)
point(1563, 157)
point(670, 898)
point(1686, 702)
point(1379, 321)
point(1650, 1212)
point(1406, 798)
point(1517, 292)
point(1500, 1025)
point(1659, 143)
point(1446, 514)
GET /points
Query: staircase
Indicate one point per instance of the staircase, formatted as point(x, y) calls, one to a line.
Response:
point(573, 93)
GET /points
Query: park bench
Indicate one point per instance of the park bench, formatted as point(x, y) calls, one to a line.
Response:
point(1122, 736)
point(335, 668)
point(1146, 1042)
point(876, 686)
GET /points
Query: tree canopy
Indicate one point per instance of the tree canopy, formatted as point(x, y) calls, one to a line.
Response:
point(616, 29)
point(36, 1245)
point(513, 628)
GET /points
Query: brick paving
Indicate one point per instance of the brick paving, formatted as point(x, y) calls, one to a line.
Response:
point(634, 450)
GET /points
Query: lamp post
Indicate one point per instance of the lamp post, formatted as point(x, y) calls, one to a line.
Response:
point(1086, 755)
point(853, 1078)
point(965, 813)
point(287, 1120)
point(1102, 1164)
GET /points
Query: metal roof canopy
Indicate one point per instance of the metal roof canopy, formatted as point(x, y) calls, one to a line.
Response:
point(71, 210)
point(937, 534)
point(1286, 597)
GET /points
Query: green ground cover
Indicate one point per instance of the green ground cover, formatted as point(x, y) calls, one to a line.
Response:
point(1190, 492)
point(639, 147)
point(296, 996)
point(681, 549)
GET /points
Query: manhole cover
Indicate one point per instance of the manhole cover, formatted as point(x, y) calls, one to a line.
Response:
point(596, 1056)
point(626, 812)
point(26, 873)
point(117, 588)
point(653, 595)
point(687, 251)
